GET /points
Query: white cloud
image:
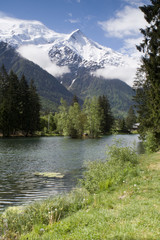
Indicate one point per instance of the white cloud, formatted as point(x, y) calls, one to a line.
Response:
point(126, 22)
point(129, 47)
point(125, 25)
point(73, 20)
point(125, 72)
point(40, 57)
point(78, 1)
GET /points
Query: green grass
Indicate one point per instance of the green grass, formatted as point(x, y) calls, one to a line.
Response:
point(124, 206)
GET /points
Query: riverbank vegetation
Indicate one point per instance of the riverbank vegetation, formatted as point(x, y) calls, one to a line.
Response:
point(116, 199)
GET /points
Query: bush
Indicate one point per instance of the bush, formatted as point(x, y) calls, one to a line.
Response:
point(121, 163)
point(150, 143)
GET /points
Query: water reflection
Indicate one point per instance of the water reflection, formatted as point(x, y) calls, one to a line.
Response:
point(21, 158)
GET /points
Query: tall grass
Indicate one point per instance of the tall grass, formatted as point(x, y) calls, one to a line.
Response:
point(121, 163)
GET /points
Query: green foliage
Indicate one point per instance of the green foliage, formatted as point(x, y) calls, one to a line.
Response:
point(61, 118)
point(76, 121)
point(131, 118)
point(106, 114)
point(94, 118)
point(120, 125)
point(47, 123)
point(92, 110)
point(150, 143)
point(121, 163)
point(147, 84)
point(19, 105)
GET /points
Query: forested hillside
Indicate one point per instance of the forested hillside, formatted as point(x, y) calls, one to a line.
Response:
point(49, 89)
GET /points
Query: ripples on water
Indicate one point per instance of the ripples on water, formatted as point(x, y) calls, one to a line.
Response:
point(21, 158)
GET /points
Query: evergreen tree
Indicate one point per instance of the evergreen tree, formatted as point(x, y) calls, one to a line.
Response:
point(4, 110)
point(19, 104)
point(34, 109)
point(131, 118)
point(24, 106)
point(106, 115)
point(13, 103)
point(147, 84)
point(122, 125)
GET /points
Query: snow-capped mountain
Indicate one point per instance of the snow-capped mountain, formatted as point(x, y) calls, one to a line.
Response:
point(77, 49)
point(83, 66)
point(61, 53)
point(18, 32)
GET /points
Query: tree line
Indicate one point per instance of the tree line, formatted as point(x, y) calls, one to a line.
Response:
point(76, 121)
point(147, 84)
point(93, 119)
point(19, 105)
point(20, 112)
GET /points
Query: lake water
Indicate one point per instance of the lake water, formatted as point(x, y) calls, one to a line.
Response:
point(22, 158)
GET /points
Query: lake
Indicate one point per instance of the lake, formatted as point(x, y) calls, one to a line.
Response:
point(22, 158)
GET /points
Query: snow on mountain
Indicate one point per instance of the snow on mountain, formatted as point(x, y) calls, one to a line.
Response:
point(18, 32)
point(62, 53)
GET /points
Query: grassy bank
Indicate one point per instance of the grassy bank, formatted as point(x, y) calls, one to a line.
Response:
point(117, 200)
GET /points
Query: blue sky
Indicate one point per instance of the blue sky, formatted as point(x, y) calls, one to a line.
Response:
point(112, 23)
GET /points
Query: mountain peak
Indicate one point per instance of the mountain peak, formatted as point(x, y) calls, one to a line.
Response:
point(19, 32)
point(76, 35)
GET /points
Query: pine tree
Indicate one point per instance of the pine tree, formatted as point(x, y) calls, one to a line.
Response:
point(13, 102)
point(4, 110)
point(131, 118)
point(33, 109)
point(24, 106)
point(19, 105)
point(106, 115)
point(148, 85)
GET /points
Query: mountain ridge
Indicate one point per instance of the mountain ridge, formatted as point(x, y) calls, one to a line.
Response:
point(77, 62)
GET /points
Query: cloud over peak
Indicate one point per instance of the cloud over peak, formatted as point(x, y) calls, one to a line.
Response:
point(37, 55)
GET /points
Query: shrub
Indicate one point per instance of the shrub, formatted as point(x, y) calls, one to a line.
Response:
point(121, 163)
point(150, 143)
